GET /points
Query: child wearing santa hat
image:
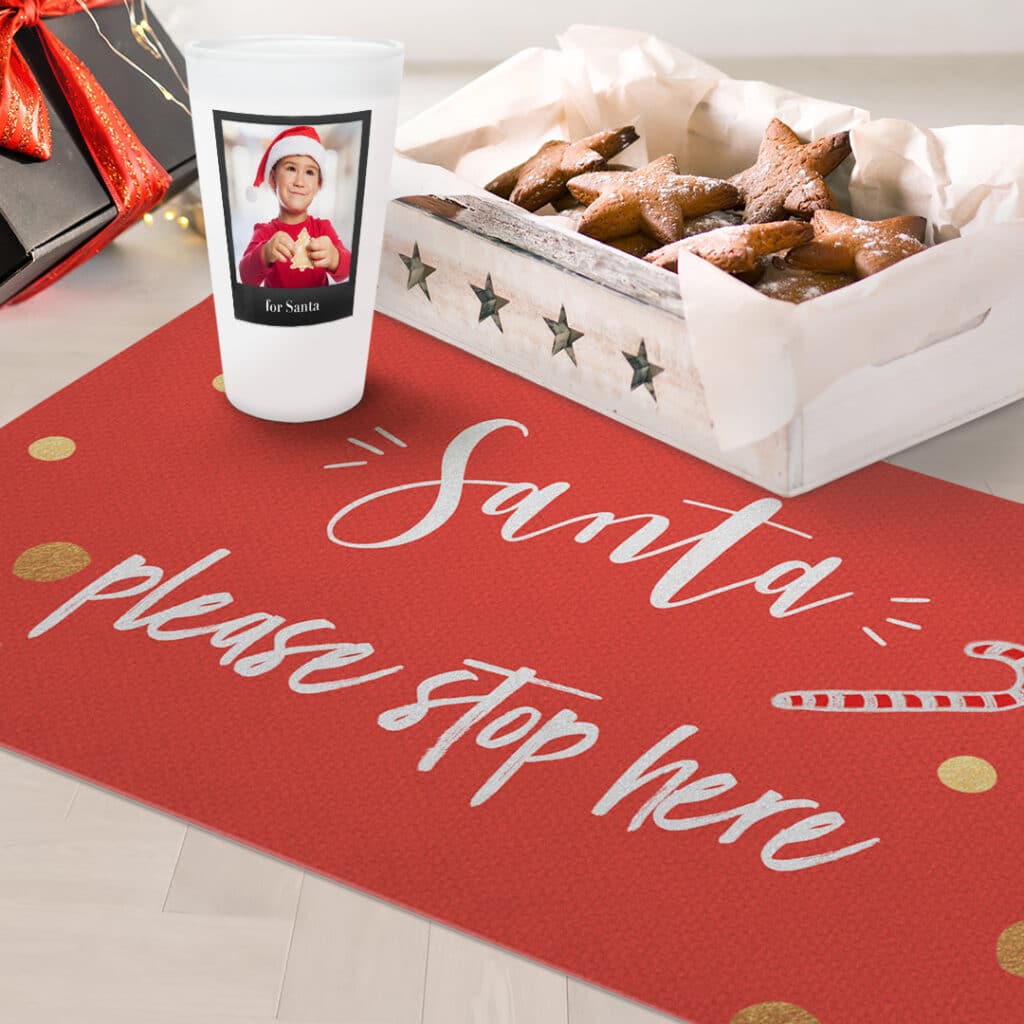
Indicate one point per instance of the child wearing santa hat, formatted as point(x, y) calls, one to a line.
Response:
point(294, 250)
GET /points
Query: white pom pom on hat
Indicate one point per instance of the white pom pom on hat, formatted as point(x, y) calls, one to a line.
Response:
point(302, 140)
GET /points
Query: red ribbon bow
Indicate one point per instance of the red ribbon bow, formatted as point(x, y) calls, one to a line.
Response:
point(132, 176)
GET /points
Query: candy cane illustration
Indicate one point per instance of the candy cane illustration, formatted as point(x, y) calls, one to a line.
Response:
point(921, 700)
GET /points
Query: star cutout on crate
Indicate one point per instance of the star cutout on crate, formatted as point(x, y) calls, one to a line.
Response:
point(644, 371)
point(418, 270)
point(565, 336)
point(489, 303)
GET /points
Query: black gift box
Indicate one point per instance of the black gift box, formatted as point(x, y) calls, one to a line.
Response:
point(48, 208)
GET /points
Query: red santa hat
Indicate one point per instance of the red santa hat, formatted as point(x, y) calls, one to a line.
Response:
point(302, 140)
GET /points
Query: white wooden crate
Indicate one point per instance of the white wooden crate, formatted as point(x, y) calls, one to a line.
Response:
point(617, 301)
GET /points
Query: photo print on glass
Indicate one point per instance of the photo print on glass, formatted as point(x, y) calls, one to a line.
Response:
point(293, 196)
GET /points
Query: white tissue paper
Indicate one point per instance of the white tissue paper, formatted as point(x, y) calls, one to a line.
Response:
point(760, 359)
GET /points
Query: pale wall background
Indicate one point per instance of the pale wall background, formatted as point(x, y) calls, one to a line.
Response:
point(463, 31)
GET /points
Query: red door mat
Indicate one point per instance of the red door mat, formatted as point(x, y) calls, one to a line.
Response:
point(500, 660)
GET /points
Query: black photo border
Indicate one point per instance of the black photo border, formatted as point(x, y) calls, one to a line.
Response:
point(332, 302)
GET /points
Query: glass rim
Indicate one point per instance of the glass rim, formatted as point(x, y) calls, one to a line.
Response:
point(293, 47)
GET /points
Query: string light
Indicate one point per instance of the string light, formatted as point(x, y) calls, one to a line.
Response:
point(146, 37)
point(191, 207)
point(140, 30)
point(167, 95)
point(192, 219)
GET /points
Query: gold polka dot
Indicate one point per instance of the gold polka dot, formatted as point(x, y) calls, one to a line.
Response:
point(967, 774)
point(773, 1013)
point(218, 382)
point(52, 449)
point(1010, 950)
point(48, 562)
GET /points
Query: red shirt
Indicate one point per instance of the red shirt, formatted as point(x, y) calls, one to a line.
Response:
point(252, 269)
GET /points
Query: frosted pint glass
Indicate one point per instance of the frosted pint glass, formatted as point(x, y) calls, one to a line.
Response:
point(294, 138)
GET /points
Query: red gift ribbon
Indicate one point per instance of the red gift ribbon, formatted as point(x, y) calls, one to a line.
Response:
point(132, 176)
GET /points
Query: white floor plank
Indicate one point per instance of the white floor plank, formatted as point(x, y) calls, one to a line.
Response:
point(51, 863)
point(93, 805)
point(31, 792)
point(985, 450)
point(469, 982)
point(89, 959)
point(589, 1005)
point(353, 959)
point(217, 876)
point(1012, 490)
point(33, 1013)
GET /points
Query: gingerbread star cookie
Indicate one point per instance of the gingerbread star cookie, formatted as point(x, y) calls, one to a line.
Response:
point(710, 221)
point(848, 245)
point(587, 187)
point(571, 202)
point(735, 249)
point(792, 284)
point(789, 176)
point(301, 260)
point(637, 244)
point(542, 178)
point(655, 199)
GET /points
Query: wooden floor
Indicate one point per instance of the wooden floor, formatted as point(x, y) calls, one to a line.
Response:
point(112, 913)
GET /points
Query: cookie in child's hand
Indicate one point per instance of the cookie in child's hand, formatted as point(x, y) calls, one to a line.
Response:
point(848, 245)
point(789, 176)
point(792, 284)
point(542, 178)
point(655, 199)
point(735, 249)
point(301, 260)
